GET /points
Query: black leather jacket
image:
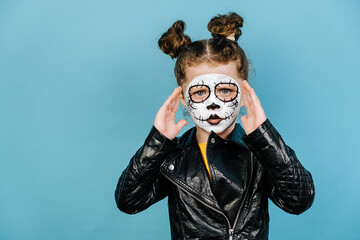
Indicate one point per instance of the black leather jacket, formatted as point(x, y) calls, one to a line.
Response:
point(245, 170)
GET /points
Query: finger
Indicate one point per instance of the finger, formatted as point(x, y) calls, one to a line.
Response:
point(177, 103)
point(246, 85)
point(174, 104)
point(247, 99)
point(250, 107)
point(242, 92)
point(171, 98)
point(249, 94)
point(254, 97)
point(173, 107)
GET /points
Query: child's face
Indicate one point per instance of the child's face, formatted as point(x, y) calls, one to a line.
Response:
point(212, 94)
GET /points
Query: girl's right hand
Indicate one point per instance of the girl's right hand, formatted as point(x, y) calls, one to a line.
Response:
point(165, 117)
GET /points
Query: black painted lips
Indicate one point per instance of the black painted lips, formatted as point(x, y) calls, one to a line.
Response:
point(214, 119)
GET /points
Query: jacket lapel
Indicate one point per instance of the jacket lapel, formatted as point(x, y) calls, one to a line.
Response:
point(187, 170)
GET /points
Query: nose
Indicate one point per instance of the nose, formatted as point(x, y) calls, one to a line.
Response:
point(213, 106)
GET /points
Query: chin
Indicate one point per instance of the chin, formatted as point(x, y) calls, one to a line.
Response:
point(219, 129)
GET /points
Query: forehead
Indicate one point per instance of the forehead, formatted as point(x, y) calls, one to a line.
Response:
point(229, 69)
point(210, 80)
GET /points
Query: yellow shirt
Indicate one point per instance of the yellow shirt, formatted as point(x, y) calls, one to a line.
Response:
point(202, 147)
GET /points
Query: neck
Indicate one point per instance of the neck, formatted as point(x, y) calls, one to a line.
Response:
point(202, 135)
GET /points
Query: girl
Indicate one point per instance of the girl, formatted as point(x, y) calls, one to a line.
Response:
point(217, 176)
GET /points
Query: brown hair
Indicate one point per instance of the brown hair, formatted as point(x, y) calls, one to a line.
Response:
point(218, 49)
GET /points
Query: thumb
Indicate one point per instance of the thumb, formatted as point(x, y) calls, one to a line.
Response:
point(244, 119)
point(180, 124)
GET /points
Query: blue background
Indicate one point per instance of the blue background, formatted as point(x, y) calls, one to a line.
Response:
point(81, 82)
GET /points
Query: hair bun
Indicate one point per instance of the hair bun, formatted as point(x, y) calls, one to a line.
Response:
point(226, 26)
point(174, 40)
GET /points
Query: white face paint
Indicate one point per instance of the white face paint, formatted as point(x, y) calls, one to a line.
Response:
point(213, 101)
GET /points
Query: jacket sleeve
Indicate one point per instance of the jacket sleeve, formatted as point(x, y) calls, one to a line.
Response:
point(140, 184)
point(290, 185)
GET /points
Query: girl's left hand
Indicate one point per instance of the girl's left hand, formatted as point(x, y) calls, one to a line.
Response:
point(255, 113)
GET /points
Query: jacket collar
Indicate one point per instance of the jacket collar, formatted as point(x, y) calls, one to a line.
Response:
point(236, 136)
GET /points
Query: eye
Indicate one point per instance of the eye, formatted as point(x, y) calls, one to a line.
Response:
point(225, 91)
point(200, 93)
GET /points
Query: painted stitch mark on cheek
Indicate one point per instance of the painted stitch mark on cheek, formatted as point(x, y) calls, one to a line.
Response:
point(228, 115)
point(234, 104)
point(191, 104)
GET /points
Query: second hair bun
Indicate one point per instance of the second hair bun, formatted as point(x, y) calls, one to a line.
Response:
point(226, 26)
point(174, 40)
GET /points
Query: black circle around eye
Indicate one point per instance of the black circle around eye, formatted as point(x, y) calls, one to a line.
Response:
point(200, 99)
point(233, 86)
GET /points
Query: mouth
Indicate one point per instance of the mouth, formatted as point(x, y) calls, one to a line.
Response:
point(214, 119)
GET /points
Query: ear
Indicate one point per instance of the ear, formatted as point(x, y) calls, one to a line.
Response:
point(241, 100)
point(183, 102)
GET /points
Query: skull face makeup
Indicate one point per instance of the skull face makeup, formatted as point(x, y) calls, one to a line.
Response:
point(213, 101)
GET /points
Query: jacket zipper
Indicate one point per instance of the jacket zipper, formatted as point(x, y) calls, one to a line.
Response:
point(231, 229)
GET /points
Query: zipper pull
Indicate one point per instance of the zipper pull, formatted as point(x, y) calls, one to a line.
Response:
point(231, 234)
